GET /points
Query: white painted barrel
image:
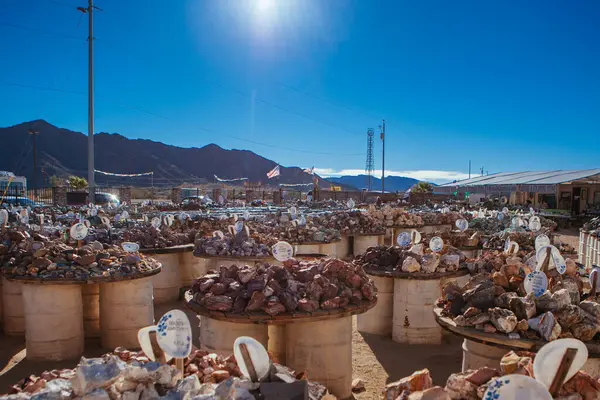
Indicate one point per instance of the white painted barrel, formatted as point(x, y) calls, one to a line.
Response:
point(582, 246)
point(168, 282)
point(308, 249)
point(588, 252)
point(342, 248)
point(192, 268)
point(277, 343)
point(414, 321)
point(125, 308)
point(595, 250)
point(477, 355)
point(53, 321)
point(324, 350)
point(91, 310)
point(378, 320)
point(362, 243)
point(14, 315)
point(219, 336)
point(1, 314)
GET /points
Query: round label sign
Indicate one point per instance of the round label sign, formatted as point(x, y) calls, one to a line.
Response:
point(218, 234)
point(282, 251)
point(436, 244)
point(535, 224)
point(541, 241)
point(505, 210)
point(403, 239)
point(556, 259)
point(79, 231)
point(350, 203)
point(94, 212)
point(105, 221)
point(174, 334)
point(130, 247)
point(125, 215)
point(155, 222)
point(511, 247)
point(302, 220)
point(239, 226)
point(536, 282)
point(117, 218)
point(462, 224)
point(500, 216)
point(246, 215)
point(3, 217)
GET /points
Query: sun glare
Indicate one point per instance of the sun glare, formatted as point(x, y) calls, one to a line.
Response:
point(264, 5)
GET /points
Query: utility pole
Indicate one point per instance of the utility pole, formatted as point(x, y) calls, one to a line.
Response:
point(383, 156)
point(90, 11)
point(469, 169)
point(33, 134)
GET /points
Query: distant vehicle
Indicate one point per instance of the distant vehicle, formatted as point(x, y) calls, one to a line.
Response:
point(102, 198)
point(197, 199)
point(21, 201)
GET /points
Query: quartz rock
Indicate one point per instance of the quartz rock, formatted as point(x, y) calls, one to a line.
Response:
point(434, 393)
point(585, 330)
point(430, 262)
point(410, 265)
point(569, 316)
point(503, 301)
point(450, 260)
point(523, 307)
point(546, 325)
point(522, 326)
point(591, 308)
point(95, 373)
point(503, 320)
point(482, 375)
point(459, 388)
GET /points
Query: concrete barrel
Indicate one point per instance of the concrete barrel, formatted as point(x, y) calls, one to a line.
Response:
point(414, 322)
point(192, 268)
point(91, 310)
point(582, 246)
point(53, 322)
point(1, 315)
point(14, 315)
point(595, 249)
point(342, 248)
point(324, 350)
point(325, 248)
point(363, 242)
point(277, 343)
point(308, 249)
point(477, 355)
point(378, 320)
point(588, 251)
point(168, 282)
point(219, 336)
point(125, 307)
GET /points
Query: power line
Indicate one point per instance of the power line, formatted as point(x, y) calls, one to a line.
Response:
point(43, 31)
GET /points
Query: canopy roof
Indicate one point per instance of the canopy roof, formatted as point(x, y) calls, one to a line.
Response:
point(527, 181)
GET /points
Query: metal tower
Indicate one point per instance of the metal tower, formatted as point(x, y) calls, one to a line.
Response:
point(370, 167)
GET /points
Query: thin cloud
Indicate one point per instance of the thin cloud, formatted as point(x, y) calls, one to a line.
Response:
point(422, 175)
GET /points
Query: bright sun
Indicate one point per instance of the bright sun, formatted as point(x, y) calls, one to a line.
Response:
point(264, 5)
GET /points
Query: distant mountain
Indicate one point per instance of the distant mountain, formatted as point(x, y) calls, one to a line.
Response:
point(392, 183)
point(63, 152)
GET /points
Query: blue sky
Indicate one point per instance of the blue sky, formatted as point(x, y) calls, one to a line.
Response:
point(511, 85)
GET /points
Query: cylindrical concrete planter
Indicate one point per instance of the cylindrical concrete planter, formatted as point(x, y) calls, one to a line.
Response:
point(192, 268)
point(219, 336)
point(582, 246)
point(308, 249)
point(54, 321)
point(414, 322)
point(363, 242)
point(342, 248)
point(1, 313)
point(14, 315)
point(327, 249)
point(168, 282)
point(324, 349)
point(125, 307)
point(277, 343)
point(477, 355)
point(91, 310)
point(378, 320)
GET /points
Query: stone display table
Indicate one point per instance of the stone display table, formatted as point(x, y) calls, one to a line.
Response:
point(319, 342)
point(481, 349)
point(405, 300)
point(179, 269)
point(56, 312)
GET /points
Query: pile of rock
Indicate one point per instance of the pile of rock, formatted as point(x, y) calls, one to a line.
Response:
point(131, 375)
point(525, 240)
point(497, 302)
point(467, 239)
point(472, 384)
point(351, 222)
point(415, 259)
point(398, 217)
point(295, 286)
point(38, 257)
point(440, 218)
point(592, 225)
point(149, 237)
point(240, 245)
point(280, 227)
point(489, 226)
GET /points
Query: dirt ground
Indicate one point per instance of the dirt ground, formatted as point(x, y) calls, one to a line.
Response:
point(376, 360)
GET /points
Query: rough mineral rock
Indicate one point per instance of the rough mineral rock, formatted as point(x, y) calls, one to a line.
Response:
point(546, 325)
point(523, 307)
point(434, 393)
point(418, 381)
point(410, 265)
point(569, 316)
point(459, 388)
point(503, 320)
point(430, 262)
point(585, 330)
point(358, 385)
point(482, 375)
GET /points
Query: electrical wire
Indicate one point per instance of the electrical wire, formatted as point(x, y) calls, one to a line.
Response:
point(42, 31)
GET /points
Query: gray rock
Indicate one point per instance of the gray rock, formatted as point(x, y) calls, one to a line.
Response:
point(503, 320)
point(523, 307)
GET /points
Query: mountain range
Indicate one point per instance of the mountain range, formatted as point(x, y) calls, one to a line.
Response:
point(392, 183)
point(62, 152)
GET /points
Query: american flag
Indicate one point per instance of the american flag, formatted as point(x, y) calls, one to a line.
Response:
point(273, 173)
point(309, 171)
